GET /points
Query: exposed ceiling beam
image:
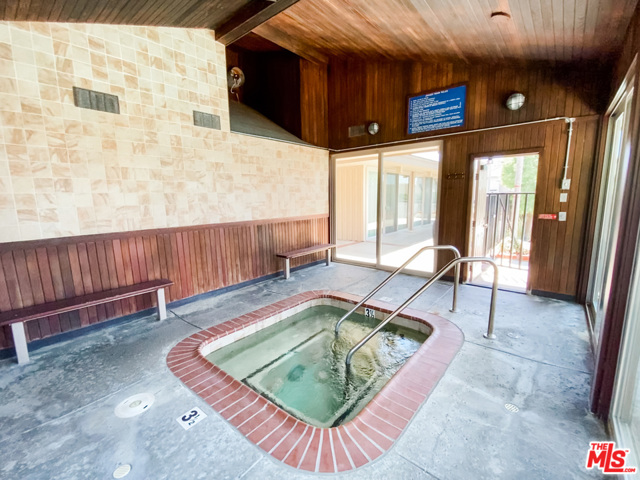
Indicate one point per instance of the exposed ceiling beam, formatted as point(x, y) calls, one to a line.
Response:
point(249, 17)
point(291, 43)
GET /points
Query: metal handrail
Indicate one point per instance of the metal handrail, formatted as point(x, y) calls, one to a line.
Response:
point(453, 263)
point(456, 254)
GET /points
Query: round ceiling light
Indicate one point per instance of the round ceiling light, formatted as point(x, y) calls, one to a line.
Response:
point(373, 128)
point(500, 16)
point(515, 101)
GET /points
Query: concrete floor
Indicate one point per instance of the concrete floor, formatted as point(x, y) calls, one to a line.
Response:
point(397, 247)
point(512, 279)
point(57, 413)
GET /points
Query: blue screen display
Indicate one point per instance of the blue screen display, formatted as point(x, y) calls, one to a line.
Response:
point(437, 110)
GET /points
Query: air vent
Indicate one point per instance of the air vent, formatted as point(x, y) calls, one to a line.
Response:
point(102, 102)
point(357, 130)
point(207, 120)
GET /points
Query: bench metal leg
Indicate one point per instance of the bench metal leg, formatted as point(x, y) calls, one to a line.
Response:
point(20, 342)
point(328, 257)
point(162, 306)
point(287, 268)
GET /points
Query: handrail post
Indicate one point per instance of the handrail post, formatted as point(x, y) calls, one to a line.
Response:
point(492, 309)
point(456, 282)
point(456, 254)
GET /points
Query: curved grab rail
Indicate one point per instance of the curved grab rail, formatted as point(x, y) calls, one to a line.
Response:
point(453, 263)
point(456, 254)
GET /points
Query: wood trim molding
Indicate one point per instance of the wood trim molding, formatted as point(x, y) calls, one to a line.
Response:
point(47, 242)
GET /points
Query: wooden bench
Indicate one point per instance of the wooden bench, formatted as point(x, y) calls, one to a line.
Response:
point(17, 318)
point(301, 253)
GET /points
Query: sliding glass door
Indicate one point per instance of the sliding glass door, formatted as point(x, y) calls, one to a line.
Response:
point(625, 412)
point(385, 205)
point(609, 214)
point(410, 207)
point(624, 417)
point(355, 203)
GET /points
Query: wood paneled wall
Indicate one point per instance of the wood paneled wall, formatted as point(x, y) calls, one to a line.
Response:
point(314, 103)
point(557, 247)
point(198, 259)
point(361, 92)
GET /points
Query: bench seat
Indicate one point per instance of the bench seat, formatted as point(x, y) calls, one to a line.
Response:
point(17, 318)
point(287, 256)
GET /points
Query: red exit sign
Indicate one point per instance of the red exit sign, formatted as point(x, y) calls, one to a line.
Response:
point(547, 216)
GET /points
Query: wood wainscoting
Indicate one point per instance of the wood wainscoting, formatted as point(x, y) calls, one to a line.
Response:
point(198, 259)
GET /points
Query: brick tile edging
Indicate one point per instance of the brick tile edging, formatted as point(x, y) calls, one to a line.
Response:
point(370, 434)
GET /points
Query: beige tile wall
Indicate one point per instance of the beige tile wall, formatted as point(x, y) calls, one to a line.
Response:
point(69, 171)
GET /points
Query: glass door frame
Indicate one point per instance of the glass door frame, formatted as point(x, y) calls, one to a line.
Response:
point(627, 375)
point(624, 102)
point(380, 152)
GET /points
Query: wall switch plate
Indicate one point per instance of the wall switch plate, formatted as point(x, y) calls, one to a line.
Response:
point(566, 184)
point(562, 216)
point(563, 197)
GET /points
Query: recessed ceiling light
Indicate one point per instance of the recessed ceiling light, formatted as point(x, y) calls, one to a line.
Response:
point(500, 16)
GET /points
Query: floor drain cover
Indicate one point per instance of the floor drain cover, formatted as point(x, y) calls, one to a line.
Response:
point(134, 405)
point(122, 471)
point(511, 407)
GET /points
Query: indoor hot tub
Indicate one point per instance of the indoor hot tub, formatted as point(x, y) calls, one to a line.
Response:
point(278, 375)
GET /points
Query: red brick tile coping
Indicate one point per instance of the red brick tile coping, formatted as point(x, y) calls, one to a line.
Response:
point(370, 434)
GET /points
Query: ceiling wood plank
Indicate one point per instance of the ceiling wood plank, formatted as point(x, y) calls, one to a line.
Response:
point(133, 9)
point(54, 14)
point(162, 9)
point(292, 44)
point(423, 8)
point(194, 7)
point(568, 19)
point(45, 9)
point(590, 26)
point(579, 18)
point(11, 8)
point(251, 16)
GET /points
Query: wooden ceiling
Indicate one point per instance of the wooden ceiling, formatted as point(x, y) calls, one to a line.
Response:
point(171, 13)
point(183, 13)
point(553, 31)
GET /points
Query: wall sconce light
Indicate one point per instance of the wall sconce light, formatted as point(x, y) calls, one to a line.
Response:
point(515, 101)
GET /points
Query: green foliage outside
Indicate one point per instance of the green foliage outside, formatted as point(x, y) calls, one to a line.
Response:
point(529, 177)
point(528, 185)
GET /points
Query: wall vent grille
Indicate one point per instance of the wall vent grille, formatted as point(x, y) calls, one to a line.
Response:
point(103, 102)
point(207, 120)
point(357, 130)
